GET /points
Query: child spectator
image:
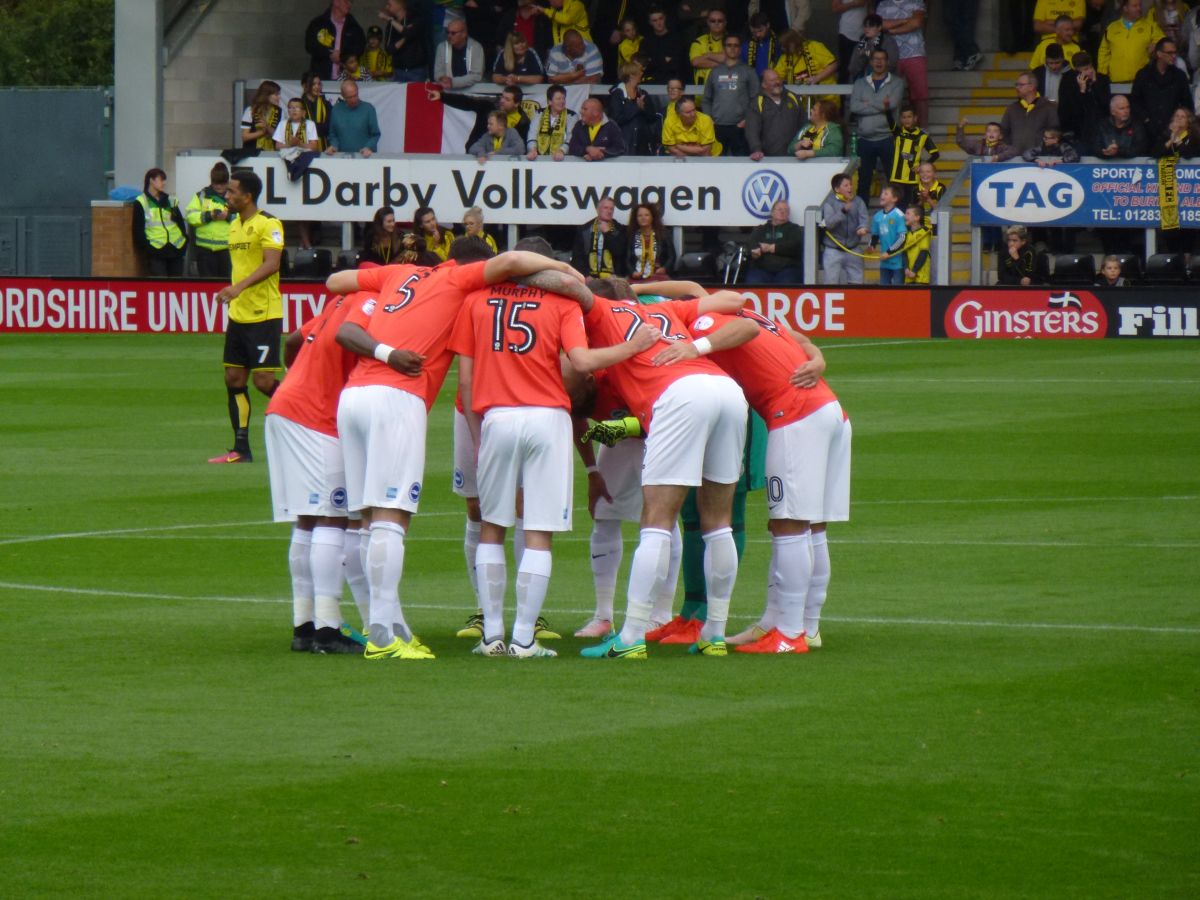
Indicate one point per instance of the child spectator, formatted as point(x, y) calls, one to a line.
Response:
point(990, 147)
point(297, 130)
point(928, 192)
point(1052, 151)
point(499, 139)
point(887, 231)
point(631, 42)
point(352, 70)
point(914, 248)
point(473, 225)
point(1110, 273)
point(375, 59)
point(1017, 262)
point(910, 144)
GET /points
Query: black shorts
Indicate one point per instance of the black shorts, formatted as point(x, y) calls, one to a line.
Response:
point(254, 345)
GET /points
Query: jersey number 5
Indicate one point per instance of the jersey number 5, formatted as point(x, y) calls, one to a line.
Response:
point(509, 314)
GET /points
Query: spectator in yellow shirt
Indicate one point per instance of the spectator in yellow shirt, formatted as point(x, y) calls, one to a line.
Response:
point(565, 15)
point(708, 51)
point(803, 61)
point(690, 132)
point(631, 42)
point(1127, 43)
point(1046, 13)
point(1064, 35)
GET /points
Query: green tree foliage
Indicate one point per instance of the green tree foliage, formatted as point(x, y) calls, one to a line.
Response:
point(60, 43)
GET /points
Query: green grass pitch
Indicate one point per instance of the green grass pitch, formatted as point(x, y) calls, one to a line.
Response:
point(1006, 704)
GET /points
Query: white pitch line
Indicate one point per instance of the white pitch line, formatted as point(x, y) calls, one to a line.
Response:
point(582, 539)
point(150, 529)
point(954, 501)
point(853, 620)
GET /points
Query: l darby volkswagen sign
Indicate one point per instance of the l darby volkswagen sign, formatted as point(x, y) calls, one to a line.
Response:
point(1028, 195)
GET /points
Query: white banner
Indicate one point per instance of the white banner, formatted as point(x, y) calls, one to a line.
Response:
point(723, 191)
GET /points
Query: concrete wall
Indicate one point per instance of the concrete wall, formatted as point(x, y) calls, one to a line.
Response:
point(237, 39)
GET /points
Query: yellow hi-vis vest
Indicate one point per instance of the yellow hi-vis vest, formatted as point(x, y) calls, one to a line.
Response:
point(211, 234)
point(160, 224)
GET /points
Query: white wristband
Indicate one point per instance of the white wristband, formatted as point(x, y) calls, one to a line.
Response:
point(703, 346)
point(591, 470)
point(382, 352)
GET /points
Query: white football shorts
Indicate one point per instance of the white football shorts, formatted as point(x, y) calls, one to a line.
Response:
point(697, 432)
point(306, 471)
point(526, 446)
point(808, 468)
point(383, 442)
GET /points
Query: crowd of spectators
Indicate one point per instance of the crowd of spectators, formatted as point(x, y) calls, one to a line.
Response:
point(727, 73)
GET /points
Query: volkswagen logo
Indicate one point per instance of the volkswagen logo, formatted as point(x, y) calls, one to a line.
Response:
point(763, 190)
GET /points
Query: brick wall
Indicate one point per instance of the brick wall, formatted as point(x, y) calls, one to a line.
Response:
point(113, 253)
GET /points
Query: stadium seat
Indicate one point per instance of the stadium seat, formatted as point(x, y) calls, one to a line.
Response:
point(1194, 268)
point(697, 267)
point(1041, 268)
point(316, 262)
point(1074, 268)
point(285, 264)
point(347, 259)
point(1131, 266)
point(1166, 268)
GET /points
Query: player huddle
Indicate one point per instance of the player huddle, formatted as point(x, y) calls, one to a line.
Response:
point(540, 352)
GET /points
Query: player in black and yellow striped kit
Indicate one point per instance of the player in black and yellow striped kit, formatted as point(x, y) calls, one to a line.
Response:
point(255, 308)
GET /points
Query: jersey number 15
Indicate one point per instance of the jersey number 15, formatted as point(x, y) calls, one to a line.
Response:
point(508, 314)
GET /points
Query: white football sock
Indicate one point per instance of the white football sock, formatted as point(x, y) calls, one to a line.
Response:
point(533, 579)
point(325, 559)
point(385, 567)
point(664, 600)
point(470, 545)
point(818, 584)
point(646, 575)
point(774, 608)
point(794, 561)
point(301, 571)
point(355, 576)
point(492, 572)
point(607, 548)
point(720, 574)
point(518, 541)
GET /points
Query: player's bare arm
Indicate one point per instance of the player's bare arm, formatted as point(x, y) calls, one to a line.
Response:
point(592, 359)
point(730, 335)
point(291, 347)
point(728, 302)
point(270, 265)
point(670, 289)
point(807, 375)
point(466, 375)
point(355, 339)
point(344, 282)
point(597, 489)
point(562, 284)
point(515, 264)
